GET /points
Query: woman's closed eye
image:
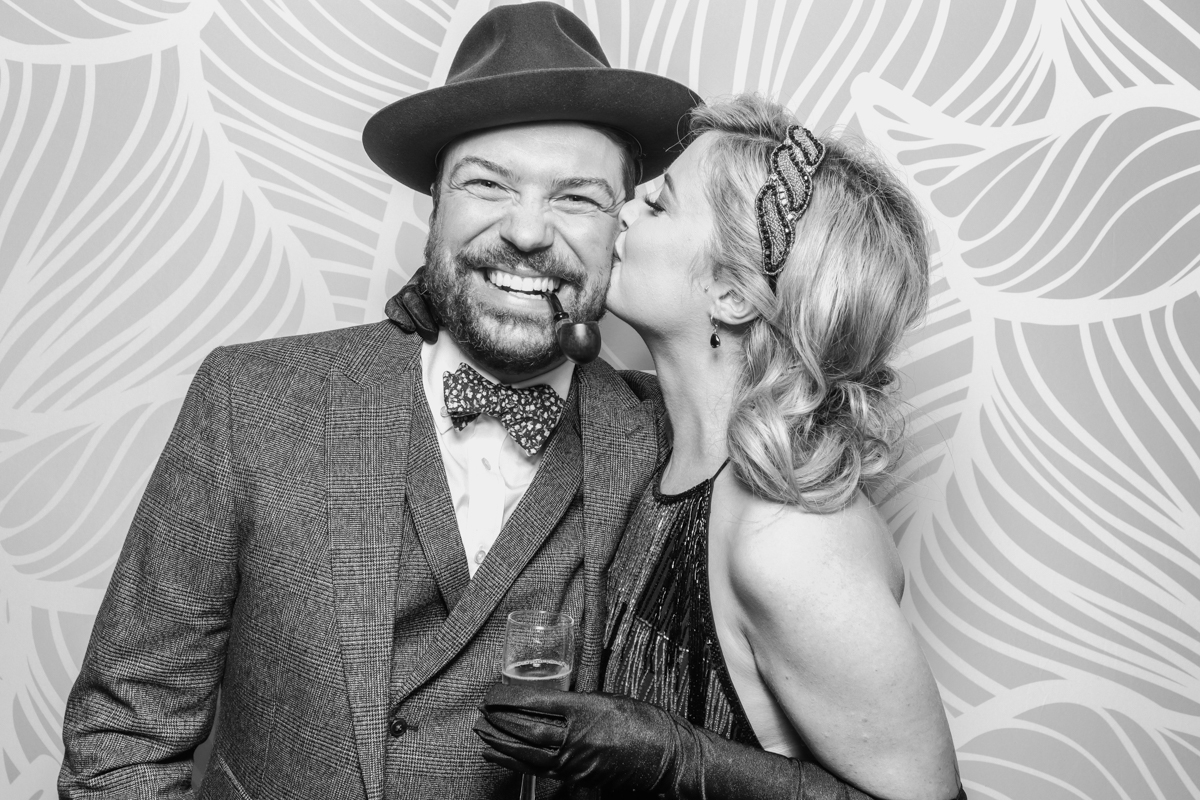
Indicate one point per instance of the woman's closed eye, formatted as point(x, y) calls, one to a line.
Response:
point(654, 206)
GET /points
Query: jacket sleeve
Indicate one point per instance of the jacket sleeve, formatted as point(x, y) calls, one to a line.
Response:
point(146, 694)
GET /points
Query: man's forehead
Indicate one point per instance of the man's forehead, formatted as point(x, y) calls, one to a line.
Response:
point(551, 147)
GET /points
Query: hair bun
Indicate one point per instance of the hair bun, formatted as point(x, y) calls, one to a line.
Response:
point(832, 406)
point(881, 378)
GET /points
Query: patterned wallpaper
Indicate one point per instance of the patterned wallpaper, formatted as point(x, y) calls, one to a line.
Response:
point(181, 174)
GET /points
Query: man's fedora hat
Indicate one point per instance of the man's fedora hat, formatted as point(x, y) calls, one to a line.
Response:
point(535, 62)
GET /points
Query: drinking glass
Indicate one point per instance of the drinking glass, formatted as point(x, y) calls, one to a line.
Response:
point(539, 649)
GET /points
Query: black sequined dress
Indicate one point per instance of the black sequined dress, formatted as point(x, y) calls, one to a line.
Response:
point(661, 643)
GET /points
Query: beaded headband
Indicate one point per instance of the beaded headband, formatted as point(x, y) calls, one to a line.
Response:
point(784, 198)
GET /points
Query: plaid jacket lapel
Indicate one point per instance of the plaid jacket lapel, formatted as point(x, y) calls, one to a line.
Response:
point(367, 429)
point(622, 441)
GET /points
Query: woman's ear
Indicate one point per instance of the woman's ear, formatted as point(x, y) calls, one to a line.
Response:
point(728, 307)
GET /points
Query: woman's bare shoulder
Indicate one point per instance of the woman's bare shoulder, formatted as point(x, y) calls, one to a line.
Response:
point(783, 548)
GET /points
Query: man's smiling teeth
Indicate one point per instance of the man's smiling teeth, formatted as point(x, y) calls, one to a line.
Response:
point(522, 283)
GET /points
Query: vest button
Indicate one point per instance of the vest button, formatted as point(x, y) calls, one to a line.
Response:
point(397, 726)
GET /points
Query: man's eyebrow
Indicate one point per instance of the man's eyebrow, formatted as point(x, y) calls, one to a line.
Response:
point(499, 169)
point(582, 182)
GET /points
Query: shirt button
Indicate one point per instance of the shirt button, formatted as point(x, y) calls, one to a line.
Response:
point(480, 556)
point(397, 726)
point(486, 464)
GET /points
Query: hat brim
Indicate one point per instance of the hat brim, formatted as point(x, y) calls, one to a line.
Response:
point(404, 138)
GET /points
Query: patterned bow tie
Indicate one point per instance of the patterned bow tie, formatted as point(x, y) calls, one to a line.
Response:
point(528, 414)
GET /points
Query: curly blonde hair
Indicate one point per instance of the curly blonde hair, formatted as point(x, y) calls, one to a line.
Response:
point(816, 417)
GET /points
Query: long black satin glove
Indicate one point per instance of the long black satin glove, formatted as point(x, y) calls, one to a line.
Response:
point(411, 312)
point(623, 745)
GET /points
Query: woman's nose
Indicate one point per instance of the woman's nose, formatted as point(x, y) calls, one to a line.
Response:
point(527, 227)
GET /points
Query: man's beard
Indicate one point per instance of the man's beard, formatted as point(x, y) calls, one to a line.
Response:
point(502, 339)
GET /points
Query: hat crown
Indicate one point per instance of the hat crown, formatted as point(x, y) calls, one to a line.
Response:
point(525, 38)
point(520, 64)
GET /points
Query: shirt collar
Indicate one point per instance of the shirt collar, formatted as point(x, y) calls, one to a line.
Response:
point(445, 355)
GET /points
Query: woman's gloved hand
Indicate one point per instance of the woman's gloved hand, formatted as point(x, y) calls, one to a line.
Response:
point(620, 744)
point(590, 739)
point(411, 312)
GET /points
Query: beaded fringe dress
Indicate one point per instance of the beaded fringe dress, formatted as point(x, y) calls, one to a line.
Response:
point(661, 643)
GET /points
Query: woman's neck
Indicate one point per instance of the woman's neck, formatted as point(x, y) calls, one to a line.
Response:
point(698, 388)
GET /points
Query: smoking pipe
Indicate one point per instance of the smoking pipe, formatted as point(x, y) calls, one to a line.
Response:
point(579, 341)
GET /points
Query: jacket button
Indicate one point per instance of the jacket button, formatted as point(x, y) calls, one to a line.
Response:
point(397, 726)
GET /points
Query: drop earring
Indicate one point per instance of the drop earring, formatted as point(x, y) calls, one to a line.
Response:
point(714, 341)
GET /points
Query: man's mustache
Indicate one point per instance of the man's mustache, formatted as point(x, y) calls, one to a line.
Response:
point(507, 257)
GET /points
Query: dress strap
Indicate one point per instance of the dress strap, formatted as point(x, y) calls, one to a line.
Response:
point(720, 469)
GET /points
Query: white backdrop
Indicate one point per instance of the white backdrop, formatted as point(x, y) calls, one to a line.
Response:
point(181, 174)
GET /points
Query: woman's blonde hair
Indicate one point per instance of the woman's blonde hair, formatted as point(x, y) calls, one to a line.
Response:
point(815, 418)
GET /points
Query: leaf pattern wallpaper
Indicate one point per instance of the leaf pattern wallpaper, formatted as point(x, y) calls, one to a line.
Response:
point(177, 175)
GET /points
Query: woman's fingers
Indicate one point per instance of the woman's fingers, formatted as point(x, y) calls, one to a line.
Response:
point(548, 703)
point(530, 727)
point(505, 750)
point(515, 721)
point(421, 316)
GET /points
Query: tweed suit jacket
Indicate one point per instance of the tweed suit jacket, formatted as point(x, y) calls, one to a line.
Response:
point(265, 558)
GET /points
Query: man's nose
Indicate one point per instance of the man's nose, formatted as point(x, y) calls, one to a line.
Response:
point(528, 227)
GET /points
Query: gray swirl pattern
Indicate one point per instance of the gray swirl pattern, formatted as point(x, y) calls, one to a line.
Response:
point(181, 174)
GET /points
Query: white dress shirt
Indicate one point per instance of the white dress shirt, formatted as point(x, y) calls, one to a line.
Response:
point(486, 470)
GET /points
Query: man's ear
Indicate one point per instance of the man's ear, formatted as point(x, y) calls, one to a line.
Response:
point(728, 307)
point(435, 194)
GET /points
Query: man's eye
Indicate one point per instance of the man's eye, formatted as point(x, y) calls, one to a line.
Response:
point(577, 202)
point(486, 189)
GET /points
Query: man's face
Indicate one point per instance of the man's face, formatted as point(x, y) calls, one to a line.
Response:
point(521, 210)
